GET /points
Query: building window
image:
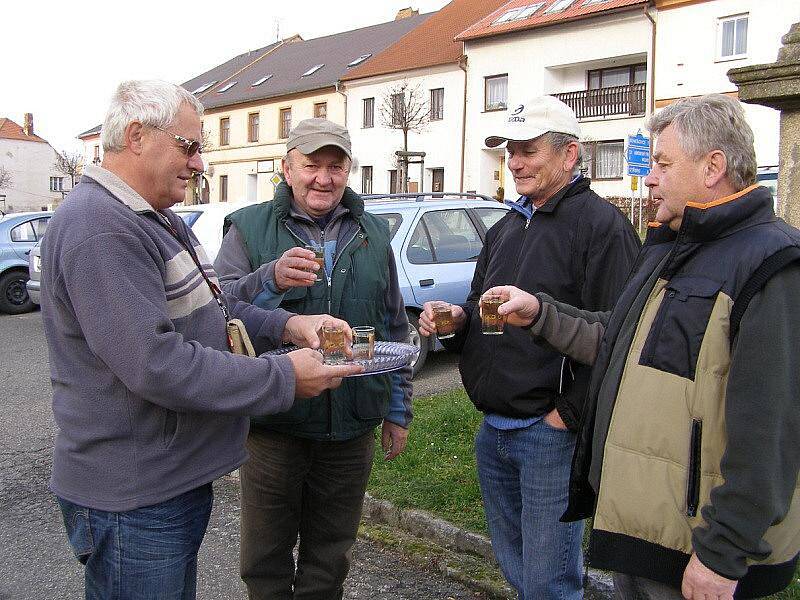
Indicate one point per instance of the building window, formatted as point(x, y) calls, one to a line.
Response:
point(437, 104)
point(732, 37)
point(394, 182)
point(96, 158)
point(606, 159)
point(56, 184)
point(496, 92)
point(224, 131)
point(321, 110)
point(223, 188)
point(616, 76)
point(398, 108)
point(252, 127)
point(366, 180)
point(369, 113)
point(285, 125)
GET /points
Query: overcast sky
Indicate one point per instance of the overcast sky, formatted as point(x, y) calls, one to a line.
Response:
point(62, 60)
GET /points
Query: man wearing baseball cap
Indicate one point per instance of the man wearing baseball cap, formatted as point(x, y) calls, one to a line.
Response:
point(308, 468)
point(562, 237)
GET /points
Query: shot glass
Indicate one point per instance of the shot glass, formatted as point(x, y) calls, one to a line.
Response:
point(443, 319)
point(319, 258)
point(491, 322)
point(363, 342)
point(333, 342)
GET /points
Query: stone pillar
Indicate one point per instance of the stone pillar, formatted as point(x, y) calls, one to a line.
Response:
point(777, 85)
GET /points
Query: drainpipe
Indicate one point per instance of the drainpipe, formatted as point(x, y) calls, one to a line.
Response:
point(462, 63)
point(652, 60)
point(345, 102)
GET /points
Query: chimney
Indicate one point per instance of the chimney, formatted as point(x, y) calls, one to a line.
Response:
point(404, 13)
point(27, 127)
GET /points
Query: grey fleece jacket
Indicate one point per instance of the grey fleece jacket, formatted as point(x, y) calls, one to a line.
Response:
point(148, 401)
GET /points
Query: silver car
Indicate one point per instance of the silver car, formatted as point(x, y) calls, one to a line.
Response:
point(19, 233)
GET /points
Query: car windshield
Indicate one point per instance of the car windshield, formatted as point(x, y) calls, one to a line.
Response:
point(190, 217)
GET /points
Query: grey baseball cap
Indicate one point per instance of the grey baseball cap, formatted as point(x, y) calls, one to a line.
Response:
point(310, 135)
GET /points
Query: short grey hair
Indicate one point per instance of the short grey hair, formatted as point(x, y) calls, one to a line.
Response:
point(712, 122)
point(559, 141)
point(153, 103)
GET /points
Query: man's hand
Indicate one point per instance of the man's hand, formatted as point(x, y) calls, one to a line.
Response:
point(554, 420)
point(520, 308)
point(393, 439)
point(426, 325)
point(312, 377)
point(304, 330)
point(701, 583)
point(292, 269)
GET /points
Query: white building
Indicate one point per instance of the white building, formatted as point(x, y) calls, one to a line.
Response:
point(593, 55)
point(429, 63)
point(28, 159)
point(697, 42)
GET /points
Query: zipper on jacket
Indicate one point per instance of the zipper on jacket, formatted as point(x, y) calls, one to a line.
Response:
point(693, 483)
point(336, 260)
point(658, 325)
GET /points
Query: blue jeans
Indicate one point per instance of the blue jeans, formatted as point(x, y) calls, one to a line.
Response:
point(524, 477)
point(148, 553)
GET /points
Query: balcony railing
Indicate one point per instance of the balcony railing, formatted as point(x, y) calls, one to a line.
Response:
point(618, 100)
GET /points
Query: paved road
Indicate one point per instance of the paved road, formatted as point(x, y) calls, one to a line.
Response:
point(35, 560)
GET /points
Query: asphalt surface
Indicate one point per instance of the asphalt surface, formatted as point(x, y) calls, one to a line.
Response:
point(35, 560)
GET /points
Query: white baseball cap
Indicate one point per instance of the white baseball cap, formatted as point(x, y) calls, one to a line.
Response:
point(534, 118)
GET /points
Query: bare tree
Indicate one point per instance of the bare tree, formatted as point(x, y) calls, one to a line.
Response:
point(69, 164)
point(405, 107)
point(5, 178)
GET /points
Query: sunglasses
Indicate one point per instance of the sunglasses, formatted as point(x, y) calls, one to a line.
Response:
point(190, 147)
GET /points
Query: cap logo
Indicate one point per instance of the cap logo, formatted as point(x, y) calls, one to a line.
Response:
point(514, 118)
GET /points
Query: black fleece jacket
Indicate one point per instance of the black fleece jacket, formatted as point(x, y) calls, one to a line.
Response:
point(576, 247)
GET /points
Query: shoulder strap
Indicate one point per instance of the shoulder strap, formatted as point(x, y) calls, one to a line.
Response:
point(757, 281)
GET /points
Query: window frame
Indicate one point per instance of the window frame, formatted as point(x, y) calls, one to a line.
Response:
point(223, 188)
point(368, 102)
point(364, 170)
point(56, 184)
point(631, 74)
point(486, 79)
point(591, 148)
point(284, 125)
point(719, 37)
point(225, 131)
point(253, 125)
point(438, 115)
point(324, 106)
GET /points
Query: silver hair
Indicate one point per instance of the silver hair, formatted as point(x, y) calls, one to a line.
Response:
point(712, 122)
point(559, 141)
point(154, 103)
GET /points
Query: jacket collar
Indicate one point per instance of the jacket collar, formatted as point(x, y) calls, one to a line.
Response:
point(118, 188)
point(713, 220)
point(284, 198)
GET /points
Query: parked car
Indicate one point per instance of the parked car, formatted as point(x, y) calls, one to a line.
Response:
point(768, 177)
point(19, 233)
point(206, 221)
point(436, 239)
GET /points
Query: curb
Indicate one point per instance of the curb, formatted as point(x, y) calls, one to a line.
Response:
point(424, 525)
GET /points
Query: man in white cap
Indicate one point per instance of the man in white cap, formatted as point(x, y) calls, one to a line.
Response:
point(309, 468)
point(562, 237)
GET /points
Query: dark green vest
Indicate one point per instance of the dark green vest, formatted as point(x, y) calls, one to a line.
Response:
point(356, 294)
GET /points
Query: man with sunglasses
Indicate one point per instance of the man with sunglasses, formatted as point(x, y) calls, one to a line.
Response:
point(150, 403)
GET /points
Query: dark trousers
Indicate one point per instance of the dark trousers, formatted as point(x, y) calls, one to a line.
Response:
point(315, 489)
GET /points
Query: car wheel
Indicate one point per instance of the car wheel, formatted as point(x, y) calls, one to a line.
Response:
point(14, 297)
point(419, 341)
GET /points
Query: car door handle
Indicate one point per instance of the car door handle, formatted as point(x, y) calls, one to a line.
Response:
point(426, 282)
point(27, 252)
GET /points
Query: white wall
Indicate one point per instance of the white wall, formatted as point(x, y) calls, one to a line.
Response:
point(548, 61)
point(687, 63)
point(441, 139)
point(31, 166)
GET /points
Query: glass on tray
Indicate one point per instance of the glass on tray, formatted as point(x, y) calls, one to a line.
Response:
point(363, 342)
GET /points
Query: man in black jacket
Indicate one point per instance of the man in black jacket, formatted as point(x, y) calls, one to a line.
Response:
point(560, 237)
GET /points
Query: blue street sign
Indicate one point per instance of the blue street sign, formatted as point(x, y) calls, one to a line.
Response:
point(638, 155)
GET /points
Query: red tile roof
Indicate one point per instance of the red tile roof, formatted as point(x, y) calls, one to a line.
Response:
point(11, 131)
point(579, 9)
point(429, 44)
